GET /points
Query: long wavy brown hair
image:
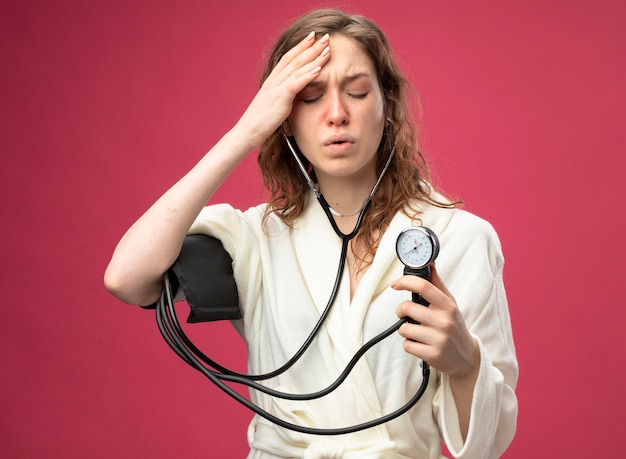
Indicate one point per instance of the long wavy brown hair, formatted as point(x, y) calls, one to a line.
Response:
point(406, 179)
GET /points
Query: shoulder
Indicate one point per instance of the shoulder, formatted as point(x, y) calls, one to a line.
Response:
point(226, 218)
point(470, 226)
point(228, 223)
point(463, 235)
point(451, 219)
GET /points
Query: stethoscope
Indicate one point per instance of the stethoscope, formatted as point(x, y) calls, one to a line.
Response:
point(411, 256)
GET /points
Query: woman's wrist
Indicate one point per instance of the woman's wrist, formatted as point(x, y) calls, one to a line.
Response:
point(470, 371)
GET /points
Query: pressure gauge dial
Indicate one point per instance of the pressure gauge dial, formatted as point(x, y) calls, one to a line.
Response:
point(417, 247)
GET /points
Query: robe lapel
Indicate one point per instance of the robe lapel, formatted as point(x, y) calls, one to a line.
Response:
point(318, 250)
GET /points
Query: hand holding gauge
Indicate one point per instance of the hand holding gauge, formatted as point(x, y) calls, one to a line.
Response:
point(417, 247)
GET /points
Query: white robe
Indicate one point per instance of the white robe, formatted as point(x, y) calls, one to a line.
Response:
point(285, 277)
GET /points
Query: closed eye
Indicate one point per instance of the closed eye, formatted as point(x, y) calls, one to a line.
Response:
point(359, 95)
point(311, 100)
point(314, 98)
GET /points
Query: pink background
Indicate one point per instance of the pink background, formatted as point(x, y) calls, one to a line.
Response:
point(106, 104)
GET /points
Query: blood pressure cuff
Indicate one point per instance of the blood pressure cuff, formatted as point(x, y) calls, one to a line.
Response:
point(203, 273)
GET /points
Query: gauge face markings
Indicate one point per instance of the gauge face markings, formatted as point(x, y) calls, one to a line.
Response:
point(414, 248)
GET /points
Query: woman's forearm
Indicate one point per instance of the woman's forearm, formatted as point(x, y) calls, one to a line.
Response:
point(463, 390)
point(151, 245)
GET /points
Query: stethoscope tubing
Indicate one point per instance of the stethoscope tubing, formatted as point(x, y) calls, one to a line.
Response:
point(308, 341)
point(175, 330)
point(168, 323)
point(177, 340)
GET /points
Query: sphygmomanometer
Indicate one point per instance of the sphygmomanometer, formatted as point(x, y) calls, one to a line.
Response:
point(203, 274)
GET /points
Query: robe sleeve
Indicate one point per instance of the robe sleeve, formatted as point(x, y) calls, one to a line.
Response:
point(475, 268)
point(238, 232)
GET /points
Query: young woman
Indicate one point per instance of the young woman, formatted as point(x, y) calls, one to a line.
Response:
point(333, 96)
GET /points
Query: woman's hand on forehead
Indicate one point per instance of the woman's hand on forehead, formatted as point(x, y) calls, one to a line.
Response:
point(272, 104)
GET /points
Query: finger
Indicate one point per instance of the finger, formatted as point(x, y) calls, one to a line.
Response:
point(306, 50)
point(419, 285)
point(306, 43)
point(437, 297)
point(421, 341)
point(436, 280)
point(418, 314)
point(419, 350)
point(305, 67)
point(305, 58)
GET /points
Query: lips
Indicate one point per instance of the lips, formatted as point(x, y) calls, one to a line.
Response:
point(338, 140)
point(339, 144)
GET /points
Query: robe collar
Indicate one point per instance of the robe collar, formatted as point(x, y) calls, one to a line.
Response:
point(318, 249)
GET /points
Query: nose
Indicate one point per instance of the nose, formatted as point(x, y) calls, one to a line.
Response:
point(336, 111)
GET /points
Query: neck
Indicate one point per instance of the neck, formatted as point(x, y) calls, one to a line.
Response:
point(345, 197)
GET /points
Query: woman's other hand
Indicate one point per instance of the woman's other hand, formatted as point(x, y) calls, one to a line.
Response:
point(440, 336)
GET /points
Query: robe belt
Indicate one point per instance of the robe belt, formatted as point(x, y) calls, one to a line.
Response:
point(330, 449)
point(265, 437)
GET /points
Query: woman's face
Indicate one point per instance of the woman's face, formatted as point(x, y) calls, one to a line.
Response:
point(338, 119)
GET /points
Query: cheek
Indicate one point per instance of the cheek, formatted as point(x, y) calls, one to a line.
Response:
point(377, 125)
point(296, 124)
point(377, 115)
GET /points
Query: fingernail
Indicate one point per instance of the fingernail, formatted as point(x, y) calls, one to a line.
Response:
point(310, 35)
point(325, 38)
point(316, 70)
point(326, 51)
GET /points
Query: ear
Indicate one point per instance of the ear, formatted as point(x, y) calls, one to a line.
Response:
point(287, 128)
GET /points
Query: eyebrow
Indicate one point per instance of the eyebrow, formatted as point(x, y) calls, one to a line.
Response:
point(345, 80)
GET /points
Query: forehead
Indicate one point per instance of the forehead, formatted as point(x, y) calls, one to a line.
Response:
point(347, 60)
